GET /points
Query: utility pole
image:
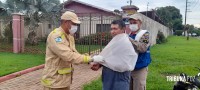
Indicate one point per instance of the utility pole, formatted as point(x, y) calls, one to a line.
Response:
point(185, 19)
point(147, 14)
point(186, 28)
point(130, 2)
point(63, 5)
point(147, 7)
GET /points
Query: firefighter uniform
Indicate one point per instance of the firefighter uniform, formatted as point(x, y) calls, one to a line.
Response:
point(60, 54)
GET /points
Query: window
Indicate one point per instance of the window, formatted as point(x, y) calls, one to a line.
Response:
point(49, 26)
point(103, 27)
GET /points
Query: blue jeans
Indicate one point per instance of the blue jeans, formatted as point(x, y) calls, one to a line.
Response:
point(113, 80)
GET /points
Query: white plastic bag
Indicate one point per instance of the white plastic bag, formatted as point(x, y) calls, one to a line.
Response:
point(119, 54)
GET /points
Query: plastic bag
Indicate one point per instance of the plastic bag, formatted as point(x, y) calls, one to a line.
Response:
point(119, 54)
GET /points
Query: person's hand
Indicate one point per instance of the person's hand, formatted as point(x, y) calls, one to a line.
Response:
point(97, 59)
point(95, 66)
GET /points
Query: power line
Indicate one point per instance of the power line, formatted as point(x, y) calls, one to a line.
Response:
point(195, 4)
point(193, 18)
point(164, 3)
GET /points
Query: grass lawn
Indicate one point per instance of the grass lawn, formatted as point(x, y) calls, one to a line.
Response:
point(10, 62)
point(176, 56)
point(41, 47)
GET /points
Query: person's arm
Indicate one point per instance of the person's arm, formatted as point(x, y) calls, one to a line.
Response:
point(61, 48)
point(142, 45)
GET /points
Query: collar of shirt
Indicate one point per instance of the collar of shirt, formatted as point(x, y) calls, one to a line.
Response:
point(61, 29)
point(134, 33)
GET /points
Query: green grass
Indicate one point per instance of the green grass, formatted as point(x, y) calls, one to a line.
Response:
point(94, 85)
point(80, 48)
point(176, 56)
point(10, 62)
point(41, 47)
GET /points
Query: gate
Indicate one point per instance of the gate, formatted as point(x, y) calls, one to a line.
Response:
point(93, 32)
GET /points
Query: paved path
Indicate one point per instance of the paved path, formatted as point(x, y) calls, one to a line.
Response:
point(31, 81)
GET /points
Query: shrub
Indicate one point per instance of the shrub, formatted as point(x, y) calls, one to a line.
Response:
point(32, 38)
point(160, 38)
point(96, 39)
point(178, 32)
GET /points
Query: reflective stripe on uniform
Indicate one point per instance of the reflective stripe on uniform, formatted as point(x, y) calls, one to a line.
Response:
point(65, 71)
point(54, 31)
point(62, 35)
point(86, 59)
point(46, 82)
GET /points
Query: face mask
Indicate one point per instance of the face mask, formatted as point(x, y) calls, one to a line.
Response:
point(73, 29)
point(133, 27)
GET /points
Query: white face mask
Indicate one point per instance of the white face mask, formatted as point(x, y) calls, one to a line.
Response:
point(73, 29)
point(133, 27)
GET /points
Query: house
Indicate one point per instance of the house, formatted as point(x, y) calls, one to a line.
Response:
point(93, 19)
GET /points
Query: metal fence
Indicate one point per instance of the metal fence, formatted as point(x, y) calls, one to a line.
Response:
point(92, 35)
point(93, 32)
point(6, 34)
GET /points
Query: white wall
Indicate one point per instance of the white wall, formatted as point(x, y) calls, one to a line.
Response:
point(153, 27)
point(42, 31)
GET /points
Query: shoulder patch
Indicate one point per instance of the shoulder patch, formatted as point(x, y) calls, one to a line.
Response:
point(58, 39)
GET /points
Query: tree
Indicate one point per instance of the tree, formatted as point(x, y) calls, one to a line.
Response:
point(177, 24)
point(171, 17)
point(2, 9)
point(191, 27)
point(1, 5)
point(35, 11)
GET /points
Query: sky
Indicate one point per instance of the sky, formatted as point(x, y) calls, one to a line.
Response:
point(193, 17)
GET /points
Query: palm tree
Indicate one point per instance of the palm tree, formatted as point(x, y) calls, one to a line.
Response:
point(35, 11)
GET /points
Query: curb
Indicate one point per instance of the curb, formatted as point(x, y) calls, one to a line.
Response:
point(17, 74)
